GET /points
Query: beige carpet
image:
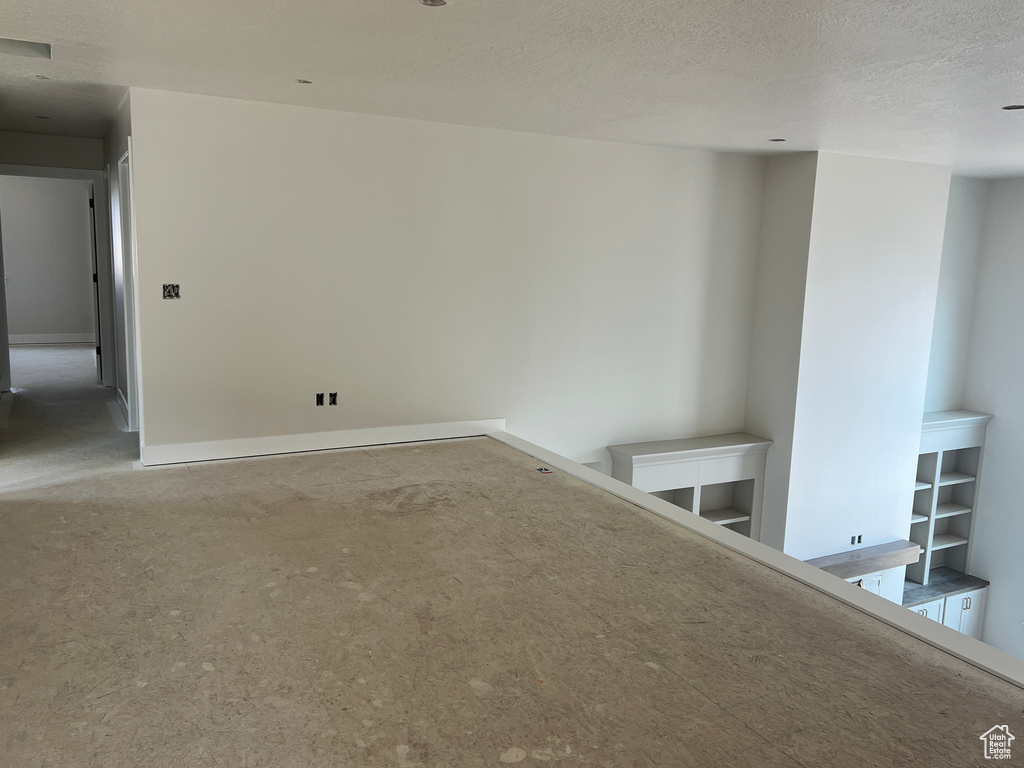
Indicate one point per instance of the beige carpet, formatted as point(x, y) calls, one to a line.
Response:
point(440, 604)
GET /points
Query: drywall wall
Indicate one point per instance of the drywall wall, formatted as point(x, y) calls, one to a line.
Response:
point(954, 305)
point(51, 151)
point(48, 260)
point(872, 278)
point(995, 371)
point(778, 325)
point(590, 293)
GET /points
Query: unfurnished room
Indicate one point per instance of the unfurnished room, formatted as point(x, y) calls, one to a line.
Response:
point(436, 383)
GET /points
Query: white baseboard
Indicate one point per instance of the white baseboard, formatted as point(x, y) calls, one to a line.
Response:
point(117, 415)
point(52, 338)
point(966, 648)
point(153, 455)
point(123, 403)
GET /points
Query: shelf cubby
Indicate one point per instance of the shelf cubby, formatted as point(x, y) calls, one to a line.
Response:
point(950, 510)
point(729, 504)
point(947, 540)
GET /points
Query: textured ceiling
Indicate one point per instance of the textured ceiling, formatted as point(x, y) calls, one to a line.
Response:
point(914, 79)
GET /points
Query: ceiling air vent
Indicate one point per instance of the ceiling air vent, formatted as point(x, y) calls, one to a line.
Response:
point(24, 48)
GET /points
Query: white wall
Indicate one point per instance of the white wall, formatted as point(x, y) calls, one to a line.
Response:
point(954, 306)
point(48, 259)
point(591, 293)
point(994, 384)
point(50, 151)
point(872, 277)
point(778, 326)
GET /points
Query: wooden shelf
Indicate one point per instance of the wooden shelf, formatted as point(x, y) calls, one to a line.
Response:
point(952, 478)
point(725, 516)
point(857, 562)
point(915, 519)
point(951, 510)
point(947, 540)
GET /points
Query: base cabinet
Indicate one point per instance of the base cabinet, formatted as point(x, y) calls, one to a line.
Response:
point(966, 613)
point(935, 610)
point(952, 598)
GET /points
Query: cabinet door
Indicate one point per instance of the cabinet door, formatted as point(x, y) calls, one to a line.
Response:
point(932, 610)
point(871, 583)
point(953, 611)
point(972, 615)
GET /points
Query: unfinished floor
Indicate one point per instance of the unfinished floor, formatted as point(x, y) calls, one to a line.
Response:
point(438, 604)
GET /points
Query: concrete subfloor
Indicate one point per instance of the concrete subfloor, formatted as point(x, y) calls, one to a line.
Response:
point(438, 604)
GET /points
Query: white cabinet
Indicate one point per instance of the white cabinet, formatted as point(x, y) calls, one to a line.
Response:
point(933, 610)
point(719, 477)
point(962, 599)
point(945, 491)
point(942, 520)
point(871, 582)
point(966, 612)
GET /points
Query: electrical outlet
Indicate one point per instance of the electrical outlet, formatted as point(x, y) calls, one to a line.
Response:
point(319, 398)
point(860, 539)
point(853, 540)
point(332, 398)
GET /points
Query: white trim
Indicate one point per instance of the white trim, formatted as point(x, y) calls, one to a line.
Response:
point(124, 408)
point(133, 339)
point(179, 453)
point(937, 421)
point(117, 415)
point(966, 648)
point(53, 338)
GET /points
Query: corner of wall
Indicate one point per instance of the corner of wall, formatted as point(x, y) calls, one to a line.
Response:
point(777, 320)
point(952, 327)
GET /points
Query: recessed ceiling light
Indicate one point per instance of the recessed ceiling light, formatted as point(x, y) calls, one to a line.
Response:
point(776, 139)
point(42, 77)
point(24, 48)
point(304, 82)
point(434, 3)
point(1013, 107)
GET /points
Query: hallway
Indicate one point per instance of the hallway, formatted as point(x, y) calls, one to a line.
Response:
point(60, 423)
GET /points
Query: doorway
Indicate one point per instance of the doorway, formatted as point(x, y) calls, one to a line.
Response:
point(56, 296)
point(49, 261)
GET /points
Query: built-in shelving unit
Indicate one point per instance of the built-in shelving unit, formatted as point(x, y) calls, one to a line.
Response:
point(945, 491)
point(719, 477)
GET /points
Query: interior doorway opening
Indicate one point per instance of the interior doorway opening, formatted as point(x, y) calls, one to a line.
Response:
point(56, 297)
point(50, 272)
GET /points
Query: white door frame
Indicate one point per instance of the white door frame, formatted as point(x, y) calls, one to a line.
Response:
point(5, 346)
point(105, 334)
point(129, 270)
